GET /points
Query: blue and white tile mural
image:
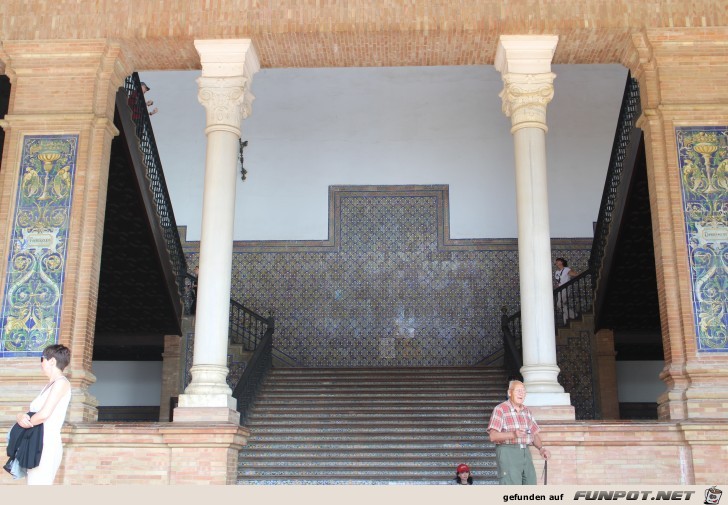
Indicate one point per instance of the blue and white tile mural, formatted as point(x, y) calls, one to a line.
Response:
point(33, 288)
point(703, 162)
point(390, 288)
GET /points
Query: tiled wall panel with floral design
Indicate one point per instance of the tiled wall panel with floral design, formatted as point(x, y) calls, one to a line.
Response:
point(33, 286)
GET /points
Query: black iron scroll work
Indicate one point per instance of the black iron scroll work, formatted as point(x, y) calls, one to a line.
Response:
point(157, 183)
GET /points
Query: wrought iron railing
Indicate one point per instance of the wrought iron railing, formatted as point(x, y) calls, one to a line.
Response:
point(512, 344)
point(251, 331)
point(574, 357)
point(625, 136)
point(143, 129)
point(255, 371)
point(246, 327)
point(573, 298)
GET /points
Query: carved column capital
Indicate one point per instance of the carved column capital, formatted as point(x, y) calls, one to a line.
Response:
point(228, 67)
point(227, 101)
point(525, 97)
point(524, 61)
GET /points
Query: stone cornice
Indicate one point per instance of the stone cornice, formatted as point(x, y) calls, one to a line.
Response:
point(92, 70)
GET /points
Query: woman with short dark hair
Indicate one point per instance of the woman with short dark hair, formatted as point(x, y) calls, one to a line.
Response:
point(49, 408)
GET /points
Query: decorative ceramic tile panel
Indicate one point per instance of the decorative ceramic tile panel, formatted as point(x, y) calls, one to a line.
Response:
point(389, 287)
point(703, 164)
point(34, 283)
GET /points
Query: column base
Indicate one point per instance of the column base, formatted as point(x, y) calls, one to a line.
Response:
point(541, 381)
point(206, 415)
point(553, 412)
point(206, 408)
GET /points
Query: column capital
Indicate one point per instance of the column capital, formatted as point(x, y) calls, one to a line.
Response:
point(525, 97)
point(525, 64)
point(228, 67)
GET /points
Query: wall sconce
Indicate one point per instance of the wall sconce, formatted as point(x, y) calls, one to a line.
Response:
point(243, 172)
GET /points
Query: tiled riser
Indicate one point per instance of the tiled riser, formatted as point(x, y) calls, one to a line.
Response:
point(371, 426)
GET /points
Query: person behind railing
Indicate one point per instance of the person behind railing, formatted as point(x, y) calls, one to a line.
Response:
point(562, 275)
point(193, 291)
point(146, 88)
point(135, 103)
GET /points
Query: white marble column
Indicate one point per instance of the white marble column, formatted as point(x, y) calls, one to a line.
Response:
point(525, 64)
point(224, 90)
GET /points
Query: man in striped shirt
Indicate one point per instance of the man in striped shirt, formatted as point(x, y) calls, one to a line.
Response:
point(512, 428)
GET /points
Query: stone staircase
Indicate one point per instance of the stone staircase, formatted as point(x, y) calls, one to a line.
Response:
point(372, 426)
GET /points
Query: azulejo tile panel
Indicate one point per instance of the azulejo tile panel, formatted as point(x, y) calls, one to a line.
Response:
point(703, 163)
point(36, 263)
point(389, 287)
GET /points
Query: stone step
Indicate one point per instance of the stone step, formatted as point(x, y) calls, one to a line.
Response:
point(390, 371)
point(273, 454)
point(370, 430)
point(382, 384)
point(388, 395)
point(361, 408)
point(360, 473)
point(422, 402)
point(371, 426)
point(366, 444)
point(344, 379)
point(374, 416)
point(401, 437)
point(481, 463)
point(388, 481)
point(443, 422)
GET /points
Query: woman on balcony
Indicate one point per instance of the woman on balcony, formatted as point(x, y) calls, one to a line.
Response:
point(563, 275)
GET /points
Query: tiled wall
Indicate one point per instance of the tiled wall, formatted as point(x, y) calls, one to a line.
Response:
point(389, 287)
point(33, 286)
point(703, 158)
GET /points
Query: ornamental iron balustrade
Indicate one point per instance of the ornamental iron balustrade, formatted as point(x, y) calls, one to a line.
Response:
point(155, 176)
point(249, 330)
point(255, 372)
point(624, 148)
point(574, 356)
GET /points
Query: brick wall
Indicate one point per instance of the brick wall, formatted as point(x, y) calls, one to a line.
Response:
point(682, 74)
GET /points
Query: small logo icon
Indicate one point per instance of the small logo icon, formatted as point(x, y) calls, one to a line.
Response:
point(712, 496)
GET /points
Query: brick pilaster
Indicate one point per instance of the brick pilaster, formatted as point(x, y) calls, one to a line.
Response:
point(682, 75)
point(607, 373)
point(63, 88)
point(170, 373)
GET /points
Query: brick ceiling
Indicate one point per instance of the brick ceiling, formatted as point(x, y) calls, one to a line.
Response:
point(159, 34)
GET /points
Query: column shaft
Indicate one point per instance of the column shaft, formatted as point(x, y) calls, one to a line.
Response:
point(216, 249)
point(534, 251)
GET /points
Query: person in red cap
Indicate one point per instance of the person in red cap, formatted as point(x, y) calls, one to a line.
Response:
point(462, 475)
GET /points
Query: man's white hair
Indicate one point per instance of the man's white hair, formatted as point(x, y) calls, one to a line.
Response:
point(512, 385)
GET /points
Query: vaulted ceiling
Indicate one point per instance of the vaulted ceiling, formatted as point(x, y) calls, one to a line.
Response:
point(312, 33)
